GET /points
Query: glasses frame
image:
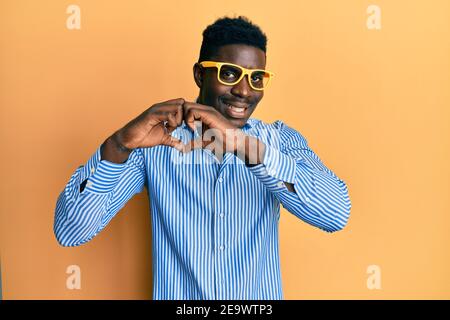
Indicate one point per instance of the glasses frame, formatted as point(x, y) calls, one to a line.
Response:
point(245, 71)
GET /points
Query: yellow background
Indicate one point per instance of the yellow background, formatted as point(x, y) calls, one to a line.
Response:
point(373, 104)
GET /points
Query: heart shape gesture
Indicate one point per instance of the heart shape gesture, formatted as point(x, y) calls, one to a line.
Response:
point(216, 133)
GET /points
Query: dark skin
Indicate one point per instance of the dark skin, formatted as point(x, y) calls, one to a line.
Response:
point(216, 95)
point(148, 129)
point(213, 93)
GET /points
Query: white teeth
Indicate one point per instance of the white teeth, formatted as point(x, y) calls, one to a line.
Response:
point(240, 110)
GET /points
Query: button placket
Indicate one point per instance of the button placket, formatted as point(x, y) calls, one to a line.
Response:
point(218, 237)
point(220, 241)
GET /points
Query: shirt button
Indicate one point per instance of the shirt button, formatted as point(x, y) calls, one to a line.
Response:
point(221, 248)
point(92, 170)
point(220, 179)
point(89, 184)
point(280, 184)
point(307, 199)
point(221, 215)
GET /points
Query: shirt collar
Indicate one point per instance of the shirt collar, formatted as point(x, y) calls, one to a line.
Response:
point(249, 124)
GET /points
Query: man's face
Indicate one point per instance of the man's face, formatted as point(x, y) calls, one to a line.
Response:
point(220, 96)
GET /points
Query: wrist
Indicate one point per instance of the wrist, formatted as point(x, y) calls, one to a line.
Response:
point(111, 152)
point(117, 141)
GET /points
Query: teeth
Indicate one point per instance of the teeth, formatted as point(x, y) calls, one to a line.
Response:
point(241, 110)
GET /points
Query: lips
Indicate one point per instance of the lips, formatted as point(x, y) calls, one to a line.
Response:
point(236, 109)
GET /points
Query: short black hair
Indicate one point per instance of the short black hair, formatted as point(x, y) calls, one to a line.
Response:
point(226, 31)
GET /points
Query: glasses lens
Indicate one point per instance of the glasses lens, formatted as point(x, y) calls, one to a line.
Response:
point(229, 74)
point(260, 79)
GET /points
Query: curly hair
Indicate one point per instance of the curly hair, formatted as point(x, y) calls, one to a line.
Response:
point(226, 31)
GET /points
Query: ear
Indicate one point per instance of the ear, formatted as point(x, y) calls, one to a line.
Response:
point(198, 74)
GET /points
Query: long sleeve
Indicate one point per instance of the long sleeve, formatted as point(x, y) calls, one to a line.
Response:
point(80, 216)
point(320, 198)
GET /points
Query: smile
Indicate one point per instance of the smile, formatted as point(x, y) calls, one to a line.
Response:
point(237, 109)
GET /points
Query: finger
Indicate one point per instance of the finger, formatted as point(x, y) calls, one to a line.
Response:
point(173, 142)
point(169, 130)
point(179, 115)
point(188, 105)
point(172, 124)
point(169, 108)
point(169, 105)
point(171, 121)
point(200, 112)
point(191, 117)
point(177, 101)
point(172, 106)
point(158, 117)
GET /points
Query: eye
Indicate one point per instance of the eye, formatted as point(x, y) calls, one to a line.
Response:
point(228, 74)
point(257, 77)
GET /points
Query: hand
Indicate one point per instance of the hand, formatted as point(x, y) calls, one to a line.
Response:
point(218, 134)
point(153, 127)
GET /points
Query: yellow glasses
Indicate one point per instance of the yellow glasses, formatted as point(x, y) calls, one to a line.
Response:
point(230, 74)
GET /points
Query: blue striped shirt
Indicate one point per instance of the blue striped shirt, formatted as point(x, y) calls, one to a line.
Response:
point(215, 223)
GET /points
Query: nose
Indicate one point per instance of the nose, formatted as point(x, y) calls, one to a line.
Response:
point(242, 88)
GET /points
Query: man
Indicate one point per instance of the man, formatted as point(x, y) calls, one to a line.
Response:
point(215, 201)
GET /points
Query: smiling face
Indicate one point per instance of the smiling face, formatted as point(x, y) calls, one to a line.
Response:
point(229, 100)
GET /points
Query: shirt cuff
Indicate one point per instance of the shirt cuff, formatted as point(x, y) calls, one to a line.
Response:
point(275, 169)
point(102, 175)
